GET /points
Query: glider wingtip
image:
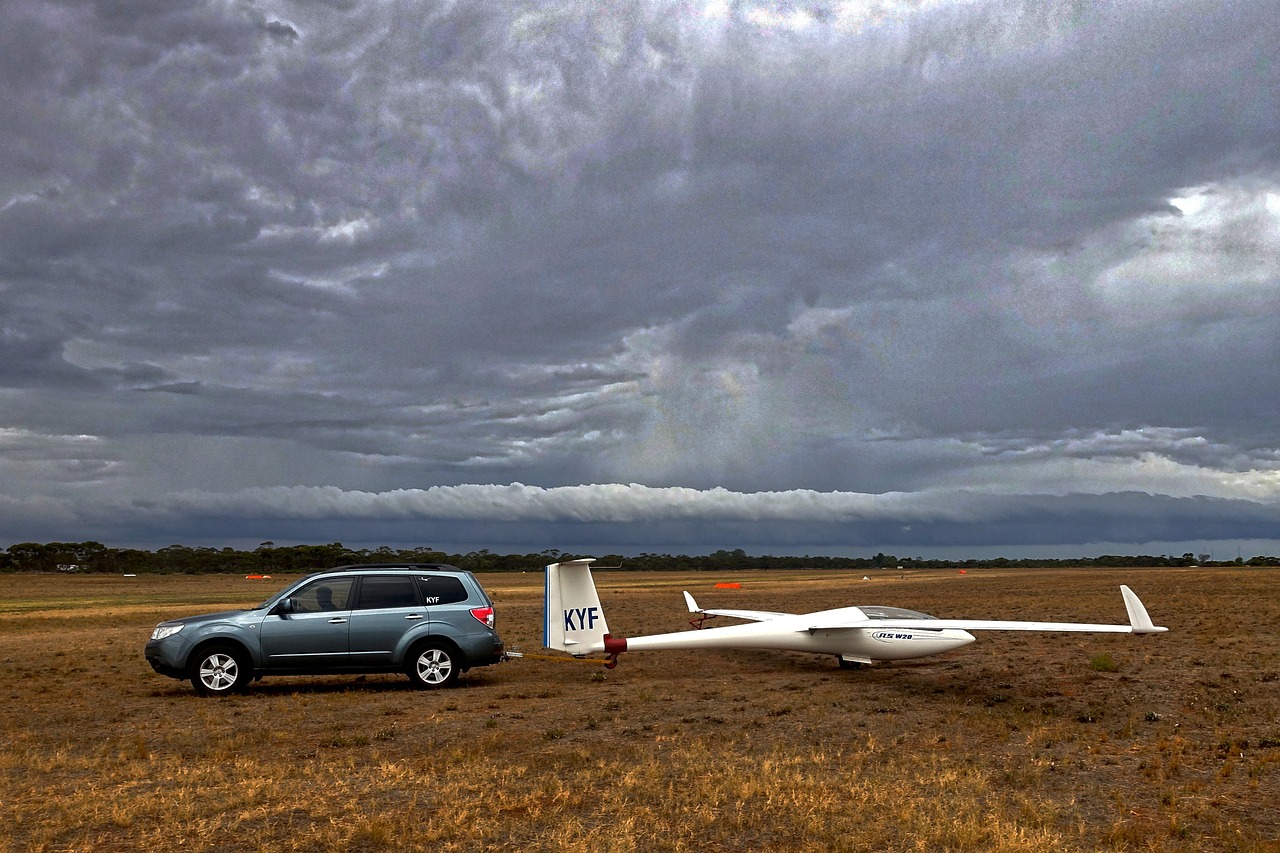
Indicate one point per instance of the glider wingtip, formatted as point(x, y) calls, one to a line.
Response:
point(1139, 621)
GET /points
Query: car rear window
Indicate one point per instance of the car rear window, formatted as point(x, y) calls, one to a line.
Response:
point(442, 589)
point(381, 591)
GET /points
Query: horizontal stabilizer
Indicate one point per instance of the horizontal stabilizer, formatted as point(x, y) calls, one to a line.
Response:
point(749, 615)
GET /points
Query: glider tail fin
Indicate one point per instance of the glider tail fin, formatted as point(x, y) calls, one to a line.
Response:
point(573, 618)
point(1139, 621)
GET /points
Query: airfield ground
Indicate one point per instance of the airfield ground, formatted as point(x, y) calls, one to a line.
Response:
point(1019, 742)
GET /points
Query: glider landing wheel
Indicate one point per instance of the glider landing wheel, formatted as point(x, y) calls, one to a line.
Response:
point(849, 664)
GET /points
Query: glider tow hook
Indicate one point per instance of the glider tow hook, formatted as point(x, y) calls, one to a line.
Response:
point(614, 646)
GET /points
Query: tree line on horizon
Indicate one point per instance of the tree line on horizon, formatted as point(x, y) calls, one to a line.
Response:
point(267, 558)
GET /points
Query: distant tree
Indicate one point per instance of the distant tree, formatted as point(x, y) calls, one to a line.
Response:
point(94, 556)
point(37, 557)
point(31, 557)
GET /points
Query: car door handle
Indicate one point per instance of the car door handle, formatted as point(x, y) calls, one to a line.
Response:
point(414, 616)
point(337, 620)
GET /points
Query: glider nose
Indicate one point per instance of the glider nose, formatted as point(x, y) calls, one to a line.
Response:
point(963, 638)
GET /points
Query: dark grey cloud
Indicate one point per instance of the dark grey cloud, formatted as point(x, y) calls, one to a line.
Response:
point(1006, 251)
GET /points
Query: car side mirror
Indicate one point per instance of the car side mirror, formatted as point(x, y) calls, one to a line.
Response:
point(284, 607)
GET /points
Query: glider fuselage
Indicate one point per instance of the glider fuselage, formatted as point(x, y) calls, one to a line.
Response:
point(796, 634)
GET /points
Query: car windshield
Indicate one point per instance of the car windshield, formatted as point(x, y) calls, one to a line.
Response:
point(270, 601)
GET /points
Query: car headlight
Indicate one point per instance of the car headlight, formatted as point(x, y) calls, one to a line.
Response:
point(163, 631)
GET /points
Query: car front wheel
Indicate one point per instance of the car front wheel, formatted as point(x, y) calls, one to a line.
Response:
point(434, 666)
point(220, 671)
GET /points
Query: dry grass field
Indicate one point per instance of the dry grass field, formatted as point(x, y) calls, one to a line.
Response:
point(1018, 742)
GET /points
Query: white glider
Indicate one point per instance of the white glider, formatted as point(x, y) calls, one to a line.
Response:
point(575, 623)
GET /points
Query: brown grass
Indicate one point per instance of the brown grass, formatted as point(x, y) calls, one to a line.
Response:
point(1018, 742)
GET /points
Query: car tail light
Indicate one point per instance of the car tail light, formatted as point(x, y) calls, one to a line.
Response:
point(483, 614)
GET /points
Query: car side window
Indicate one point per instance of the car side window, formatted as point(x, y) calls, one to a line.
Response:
point(442, 589)
point(383, 591)
point(322, 595)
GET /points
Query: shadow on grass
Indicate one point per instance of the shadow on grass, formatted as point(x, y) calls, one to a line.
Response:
point(286, 685)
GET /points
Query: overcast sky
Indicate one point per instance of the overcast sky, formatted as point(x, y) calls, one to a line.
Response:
point(934, 278)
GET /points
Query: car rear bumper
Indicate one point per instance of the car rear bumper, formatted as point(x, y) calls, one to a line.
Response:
point(498, 655)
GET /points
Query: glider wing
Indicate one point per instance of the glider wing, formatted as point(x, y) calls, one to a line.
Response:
point(1139, 622)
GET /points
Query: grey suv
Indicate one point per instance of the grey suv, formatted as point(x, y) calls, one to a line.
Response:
point(429, 621)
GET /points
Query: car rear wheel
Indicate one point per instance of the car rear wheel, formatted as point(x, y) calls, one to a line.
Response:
point(434, 665)
point(220, 671)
